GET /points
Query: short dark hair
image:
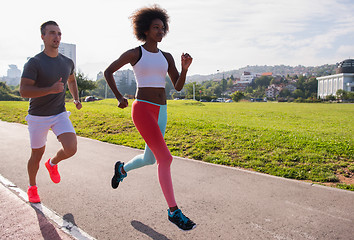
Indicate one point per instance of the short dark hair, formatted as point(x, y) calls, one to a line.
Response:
point(143, 17)
point(46, 24)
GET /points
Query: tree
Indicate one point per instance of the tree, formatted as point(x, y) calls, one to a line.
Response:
point(341, 94)
point(330, 97)
point(189, 90)
point(263, 81)
point(237, 96)
point(350, 96)
point(223, 84)
point(284, 93)
point(312, 85)
point(100, 91)
point(6, 94)
point(216, 89)
point(300, 84)
point(298, 93)
point(168, 87)
point(84, 84)
point(230, 83)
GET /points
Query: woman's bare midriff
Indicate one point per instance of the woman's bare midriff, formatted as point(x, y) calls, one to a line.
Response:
point(154, 95)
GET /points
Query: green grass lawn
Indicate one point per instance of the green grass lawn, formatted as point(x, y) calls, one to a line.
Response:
point(311, 142)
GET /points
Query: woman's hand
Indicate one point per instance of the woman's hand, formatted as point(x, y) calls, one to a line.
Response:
point(186, 61)
point(123, 102)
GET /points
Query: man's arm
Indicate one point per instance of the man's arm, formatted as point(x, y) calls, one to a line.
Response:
point(72, 85)
point(29, 90)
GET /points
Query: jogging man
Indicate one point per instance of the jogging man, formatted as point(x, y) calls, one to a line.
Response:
point(44, 80)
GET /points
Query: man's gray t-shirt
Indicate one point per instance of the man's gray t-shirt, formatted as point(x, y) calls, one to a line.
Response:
point(46, 71)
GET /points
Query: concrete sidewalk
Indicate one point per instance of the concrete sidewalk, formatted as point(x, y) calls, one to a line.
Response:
point(225, 202)
point(20, 220)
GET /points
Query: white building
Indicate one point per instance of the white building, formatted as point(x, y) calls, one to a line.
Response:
point(13, 76)
point(247, 77)
point(67, 49)
point(124, 75)
point(344, 79)
point(99, 76)
point(13, 72)
point(272, 91)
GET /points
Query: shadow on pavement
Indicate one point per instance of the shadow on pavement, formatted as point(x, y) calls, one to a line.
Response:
point(48, 231)
point(141, 227)
point(69, 218)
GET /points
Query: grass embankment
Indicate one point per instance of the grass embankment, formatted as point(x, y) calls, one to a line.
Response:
point(311, 142)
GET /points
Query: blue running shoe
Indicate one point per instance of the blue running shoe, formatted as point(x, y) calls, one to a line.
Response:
point(180, 220)
point(118, 176)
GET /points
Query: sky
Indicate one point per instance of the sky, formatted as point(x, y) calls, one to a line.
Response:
point(220, 35)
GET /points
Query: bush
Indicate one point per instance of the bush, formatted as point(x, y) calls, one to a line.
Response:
point(6, 94)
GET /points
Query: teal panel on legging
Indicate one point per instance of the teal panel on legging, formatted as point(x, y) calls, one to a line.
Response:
point(148, 158)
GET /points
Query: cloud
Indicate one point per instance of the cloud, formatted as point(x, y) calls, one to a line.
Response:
point(345, 51)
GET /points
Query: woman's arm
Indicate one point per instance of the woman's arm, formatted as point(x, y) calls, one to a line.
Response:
point(129, 56)
point(178, 79)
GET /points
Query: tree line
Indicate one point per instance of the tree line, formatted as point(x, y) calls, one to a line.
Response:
point(306, 89)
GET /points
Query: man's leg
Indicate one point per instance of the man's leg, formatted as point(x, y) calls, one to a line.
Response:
point(69, 147)
point(33, 164)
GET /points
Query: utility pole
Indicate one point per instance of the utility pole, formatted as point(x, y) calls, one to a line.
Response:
point(105, 94)
point(194, 91)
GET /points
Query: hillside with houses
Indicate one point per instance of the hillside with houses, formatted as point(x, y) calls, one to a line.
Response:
point(280, 70)
point(282, 83)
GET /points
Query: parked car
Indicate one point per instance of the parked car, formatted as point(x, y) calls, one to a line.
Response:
point(220, 100)
point(91, 99)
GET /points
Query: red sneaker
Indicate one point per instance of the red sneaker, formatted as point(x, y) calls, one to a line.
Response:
point(53, 172)
point(33, 196)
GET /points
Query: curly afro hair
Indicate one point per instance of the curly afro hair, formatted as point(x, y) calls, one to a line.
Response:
point(143, 17)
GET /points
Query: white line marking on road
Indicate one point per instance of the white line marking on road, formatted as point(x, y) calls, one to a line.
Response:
point(64, 225)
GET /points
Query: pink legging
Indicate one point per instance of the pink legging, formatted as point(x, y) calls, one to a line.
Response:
point(146, 116)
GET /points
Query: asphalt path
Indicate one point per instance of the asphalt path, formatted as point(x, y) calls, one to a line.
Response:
point(226, 203)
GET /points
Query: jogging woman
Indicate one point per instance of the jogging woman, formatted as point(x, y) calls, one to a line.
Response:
point(149, 111)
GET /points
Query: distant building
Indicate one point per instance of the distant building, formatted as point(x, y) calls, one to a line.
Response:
point(247, 77)
point(272, 91)
point(240, 86)
point(290, 87)
point(13, 72)
point(67, 49)
point(343, 79)
point(269, 74)
point(125, 76)
point(13, 76)
point(100, 75)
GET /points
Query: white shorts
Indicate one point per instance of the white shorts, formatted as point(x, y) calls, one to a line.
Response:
point(39, 126)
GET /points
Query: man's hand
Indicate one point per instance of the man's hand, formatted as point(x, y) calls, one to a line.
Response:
point(78, 104)
point(57, 87)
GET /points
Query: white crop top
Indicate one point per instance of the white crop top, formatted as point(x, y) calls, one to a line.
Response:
point(151, 69)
